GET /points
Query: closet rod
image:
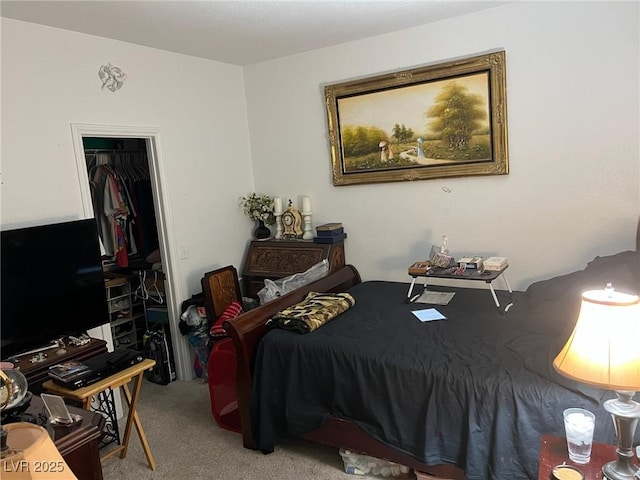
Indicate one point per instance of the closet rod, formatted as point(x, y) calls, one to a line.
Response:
point(112, 150)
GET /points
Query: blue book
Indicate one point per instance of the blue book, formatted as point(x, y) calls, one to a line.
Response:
point(330, 239)
point(330, 233)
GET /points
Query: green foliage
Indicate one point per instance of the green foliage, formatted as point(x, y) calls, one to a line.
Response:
point(401, 133)
point(358, 141)
point(373, 162)
point(258, 207)
point(456, 116)
point(479, 149)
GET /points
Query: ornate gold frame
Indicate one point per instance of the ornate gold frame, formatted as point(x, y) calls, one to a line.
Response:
point(491, 65)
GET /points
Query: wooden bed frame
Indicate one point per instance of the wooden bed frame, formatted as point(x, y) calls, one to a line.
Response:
point(247, 330)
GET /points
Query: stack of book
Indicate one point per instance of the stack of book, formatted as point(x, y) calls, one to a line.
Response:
point(68, 372)
point(330, 233)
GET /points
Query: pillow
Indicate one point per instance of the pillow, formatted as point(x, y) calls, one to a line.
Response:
point(551, 307)
point(313, 312)
point(232, 311)
point(624, 266)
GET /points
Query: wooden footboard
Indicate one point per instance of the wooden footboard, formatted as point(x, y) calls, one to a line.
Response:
point(247, 330)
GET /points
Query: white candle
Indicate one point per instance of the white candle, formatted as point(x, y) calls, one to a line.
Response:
point(306, 204)
point(277, 205)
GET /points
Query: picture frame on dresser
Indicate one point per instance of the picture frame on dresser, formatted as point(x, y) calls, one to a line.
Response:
point(441, 120)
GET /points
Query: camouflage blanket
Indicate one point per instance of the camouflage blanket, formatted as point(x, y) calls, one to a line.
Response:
point(313, 312)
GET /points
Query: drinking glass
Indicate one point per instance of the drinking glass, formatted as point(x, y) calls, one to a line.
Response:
point(578, 425)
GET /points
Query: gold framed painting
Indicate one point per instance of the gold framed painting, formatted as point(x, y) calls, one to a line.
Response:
point(436, 121)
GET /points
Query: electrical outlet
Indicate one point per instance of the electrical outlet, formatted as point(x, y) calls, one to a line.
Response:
point(184, 251)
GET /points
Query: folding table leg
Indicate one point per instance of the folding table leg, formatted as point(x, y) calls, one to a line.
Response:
point(133, 419)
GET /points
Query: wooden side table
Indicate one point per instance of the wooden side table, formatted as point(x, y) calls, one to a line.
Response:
point(78, 444)
point(553, 451)
point(120, 379)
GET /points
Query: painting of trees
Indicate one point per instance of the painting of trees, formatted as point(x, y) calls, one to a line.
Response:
point(401, 133)
point(436, 121)
point(456, 115)
point(358, 141)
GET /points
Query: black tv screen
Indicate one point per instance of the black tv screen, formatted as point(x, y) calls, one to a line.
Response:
point(52, 284)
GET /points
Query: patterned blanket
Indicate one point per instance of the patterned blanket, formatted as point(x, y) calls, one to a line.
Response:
point(313, 312)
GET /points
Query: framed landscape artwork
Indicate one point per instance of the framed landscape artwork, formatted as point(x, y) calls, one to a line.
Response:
point(444, 120)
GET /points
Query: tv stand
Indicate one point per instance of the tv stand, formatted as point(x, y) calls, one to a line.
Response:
point(37, 371)
point(17, 358)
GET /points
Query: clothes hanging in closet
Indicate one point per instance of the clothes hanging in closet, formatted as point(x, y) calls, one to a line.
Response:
point(123, 204)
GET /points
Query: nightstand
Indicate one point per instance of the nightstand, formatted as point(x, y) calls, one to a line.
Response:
point(553, 451)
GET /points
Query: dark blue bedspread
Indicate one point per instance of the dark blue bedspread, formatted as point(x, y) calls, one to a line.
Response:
point(474, 390)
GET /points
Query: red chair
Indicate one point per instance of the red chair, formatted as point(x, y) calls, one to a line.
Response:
point(220, 288)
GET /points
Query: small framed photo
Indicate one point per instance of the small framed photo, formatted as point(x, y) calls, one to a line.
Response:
point(56, 408)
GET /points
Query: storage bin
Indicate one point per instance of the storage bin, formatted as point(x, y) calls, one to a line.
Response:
point(222, 367)
point(360, 464)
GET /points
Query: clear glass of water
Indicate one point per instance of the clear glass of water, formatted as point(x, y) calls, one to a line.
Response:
point(578, 425)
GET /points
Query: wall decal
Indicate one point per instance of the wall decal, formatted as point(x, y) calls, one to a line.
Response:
point(112, 77)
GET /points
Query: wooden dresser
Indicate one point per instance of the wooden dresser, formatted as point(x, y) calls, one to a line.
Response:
point(275, 259)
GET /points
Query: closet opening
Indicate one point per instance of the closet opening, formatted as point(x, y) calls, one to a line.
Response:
point(122, 199)
point(120, 179)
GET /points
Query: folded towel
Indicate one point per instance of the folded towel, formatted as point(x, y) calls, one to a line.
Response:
point(313, 312)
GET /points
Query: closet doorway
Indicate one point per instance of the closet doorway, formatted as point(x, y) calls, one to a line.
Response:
point(137, 242)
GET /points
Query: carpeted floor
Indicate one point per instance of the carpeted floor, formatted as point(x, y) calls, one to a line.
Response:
point(188, 444)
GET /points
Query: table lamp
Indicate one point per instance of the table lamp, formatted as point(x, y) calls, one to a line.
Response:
point(31, 454)
point(603, 351)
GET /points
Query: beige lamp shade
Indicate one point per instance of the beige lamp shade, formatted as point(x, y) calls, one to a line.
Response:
point(604, 348)
point(32, 455)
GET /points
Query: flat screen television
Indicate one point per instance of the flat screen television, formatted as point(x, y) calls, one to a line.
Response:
point(51, 284)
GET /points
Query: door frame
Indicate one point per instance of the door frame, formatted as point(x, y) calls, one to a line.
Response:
point(166, 237)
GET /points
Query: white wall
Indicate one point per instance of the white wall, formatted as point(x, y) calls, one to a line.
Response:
point(573, 191)
point(50, 80)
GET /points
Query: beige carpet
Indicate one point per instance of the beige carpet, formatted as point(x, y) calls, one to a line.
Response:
point(188, 444)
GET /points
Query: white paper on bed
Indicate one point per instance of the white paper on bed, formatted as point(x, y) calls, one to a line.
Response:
point(428, 315)
point(436, 298)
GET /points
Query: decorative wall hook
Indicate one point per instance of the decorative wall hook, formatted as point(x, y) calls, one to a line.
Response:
point(112, 77)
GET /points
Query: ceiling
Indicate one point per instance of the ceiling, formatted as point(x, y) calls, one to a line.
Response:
point(237, 31)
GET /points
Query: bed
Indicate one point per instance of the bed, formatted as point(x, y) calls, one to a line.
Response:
point(472, 393)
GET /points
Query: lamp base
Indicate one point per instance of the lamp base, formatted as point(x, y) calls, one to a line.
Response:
point(625, 413)
point(620, 470)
